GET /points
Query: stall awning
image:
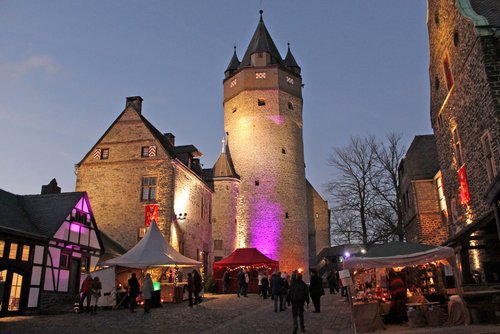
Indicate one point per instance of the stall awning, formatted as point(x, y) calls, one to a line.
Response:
point(152, 251)
point(399, 254)
point(246, 257)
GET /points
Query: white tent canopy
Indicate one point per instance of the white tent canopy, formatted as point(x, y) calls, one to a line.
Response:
point(152, 251)
point(400, 254)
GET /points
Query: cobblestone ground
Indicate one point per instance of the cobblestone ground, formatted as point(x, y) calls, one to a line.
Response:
point(218, 314)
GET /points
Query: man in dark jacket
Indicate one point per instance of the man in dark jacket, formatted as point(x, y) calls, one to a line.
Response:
point(134, 290)
point(276, 289)
point(299, 294)
point(197, 281)
point(241, 283)
point(316, 290)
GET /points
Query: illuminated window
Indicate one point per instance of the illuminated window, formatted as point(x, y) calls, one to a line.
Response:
point(85, 264)
point(141, 232)
point(458, 148)
point(2, 247)
point(447, 72)
point(104, 153)
point(233, 83)
point(148, 192)
point(442, 200)
point(218, 244)
point(488, 156)
point(290, 105)
point(261, 102)
point(289, 80)
point(13, 251)
point(15, 292)
point(26, 253)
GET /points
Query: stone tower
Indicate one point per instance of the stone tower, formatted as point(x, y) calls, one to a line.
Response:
point(263, 124)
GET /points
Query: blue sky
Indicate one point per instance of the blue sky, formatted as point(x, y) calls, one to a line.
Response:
point(66, 67)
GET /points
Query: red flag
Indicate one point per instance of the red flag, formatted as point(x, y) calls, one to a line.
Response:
point(464, 186)
point(150, 214)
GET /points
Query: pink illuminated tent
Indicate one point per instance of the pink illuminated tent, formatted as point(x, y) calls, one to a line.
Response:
point(152, 251)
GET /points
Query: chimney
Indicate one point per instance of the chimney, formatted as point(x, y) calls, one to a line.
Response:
point(51, 188)
point(171, 138)
point(136, 102)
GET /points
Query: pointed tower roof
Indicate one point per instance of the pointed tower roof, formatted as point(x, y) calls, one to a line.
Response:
point(290, 61)
point(224, 165)
point(233, 64)
point(261, 42)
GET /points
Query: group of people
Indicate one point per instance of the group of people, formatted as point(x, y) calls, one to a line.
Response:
point(90, 292)
point(134, 290)
point(194, 287)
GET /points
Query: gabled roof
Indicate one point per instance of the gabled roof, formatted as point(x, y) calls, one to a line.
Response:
point(261, 42)
point(421, 159)
point(37, 215)
point(191, 149)
point(490, 9)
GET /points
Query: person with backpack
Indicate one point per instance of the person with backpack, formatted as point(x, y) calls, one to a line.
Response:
point(298, 295)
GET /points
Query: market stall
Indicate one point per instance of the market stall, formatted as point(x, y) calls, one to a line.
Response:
point(399, 280)
point(249, 258)
point(155, 255)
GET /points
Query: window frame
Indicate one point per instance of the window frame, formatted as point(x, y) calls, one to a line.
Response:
point(151, 189)
point(489, 159)
point(457, 147)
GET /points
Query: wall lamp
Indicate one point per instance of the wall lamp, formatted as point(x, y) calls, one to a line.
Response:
point(182, 216)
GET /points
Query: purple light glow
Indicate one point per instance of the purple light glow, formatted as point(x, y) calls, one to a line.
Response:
point(75, 228)
point(265, 230)
point(280, 120)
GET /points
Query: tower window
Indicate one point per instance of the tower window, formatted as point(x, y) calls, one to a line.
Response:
point(488, 156)
point(447, 72)
point(257, 183)
point(436, 18)
point(283, 151)
point(290, 105)
point(456, 38)
point(234, 109)
point(101, 153)
point(436, 82)
point(286, 215)
point(261, 102)
point(148, 151)
point(289, 80)
point(233, 83)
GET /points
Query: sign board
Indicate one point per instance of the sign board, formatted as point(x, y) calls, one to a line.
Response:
point(344, 273)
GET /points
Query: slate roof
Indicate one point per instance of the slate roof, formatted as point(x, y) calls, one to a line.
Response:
point(224, 167)
point(261, 42)
point(490, 9)
point(234, 63)
point(290, 60)
point(421, 160)
point(38, 216)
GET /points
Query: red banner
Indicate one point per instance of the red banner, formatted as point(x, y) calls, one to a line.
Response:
point(150, 214)
point(464, 186)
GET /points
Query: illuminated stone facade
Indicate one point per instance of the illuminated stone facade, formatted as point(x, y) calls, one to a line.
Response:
point(113, 174)
point(424, 216)
point(465, 102)
point(263, 124)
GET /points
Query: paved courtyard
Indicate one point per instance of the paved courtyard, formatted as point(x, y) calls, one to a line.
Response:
point(224, 314)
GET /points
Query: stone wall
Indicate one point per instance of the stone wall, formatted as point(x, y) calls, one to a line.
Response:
point(319, 225)
point(267, 151)
point(224, 202)
point(431, 228)
point(471, 105)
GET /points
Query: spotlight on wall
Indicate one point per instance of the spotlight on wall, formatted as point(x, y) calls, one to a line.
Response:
point(182, 216)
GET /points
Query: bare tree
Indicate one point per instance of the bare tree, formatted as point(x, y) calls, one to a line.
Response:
point(351, 188)
point(386, 184)
point(366, 206)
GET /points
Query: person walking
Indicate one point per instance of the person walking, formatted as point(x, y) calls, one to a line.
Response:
point(133, 291)
point(298, 295)
point(247, 281)
point(276, 287)
point(241, 283)
point(259, 282)
point(190, 289)
point(264, 286)
point(284, 290)
point(226, 281)
point(197, 287)
point(95, 293)
point(147, 292)
point(316, 290)
point(85, 293)
point(332, 282)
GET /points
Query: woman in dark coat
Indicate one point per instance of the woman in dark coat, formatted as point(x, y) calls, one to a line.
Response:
point(397, 312)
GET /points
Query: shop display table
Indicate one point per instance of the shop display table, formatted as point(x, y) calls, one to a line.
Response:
point(367, 317)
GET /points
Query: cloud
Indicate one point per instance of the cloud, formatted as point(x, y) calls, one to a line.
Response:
point(34, 64)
